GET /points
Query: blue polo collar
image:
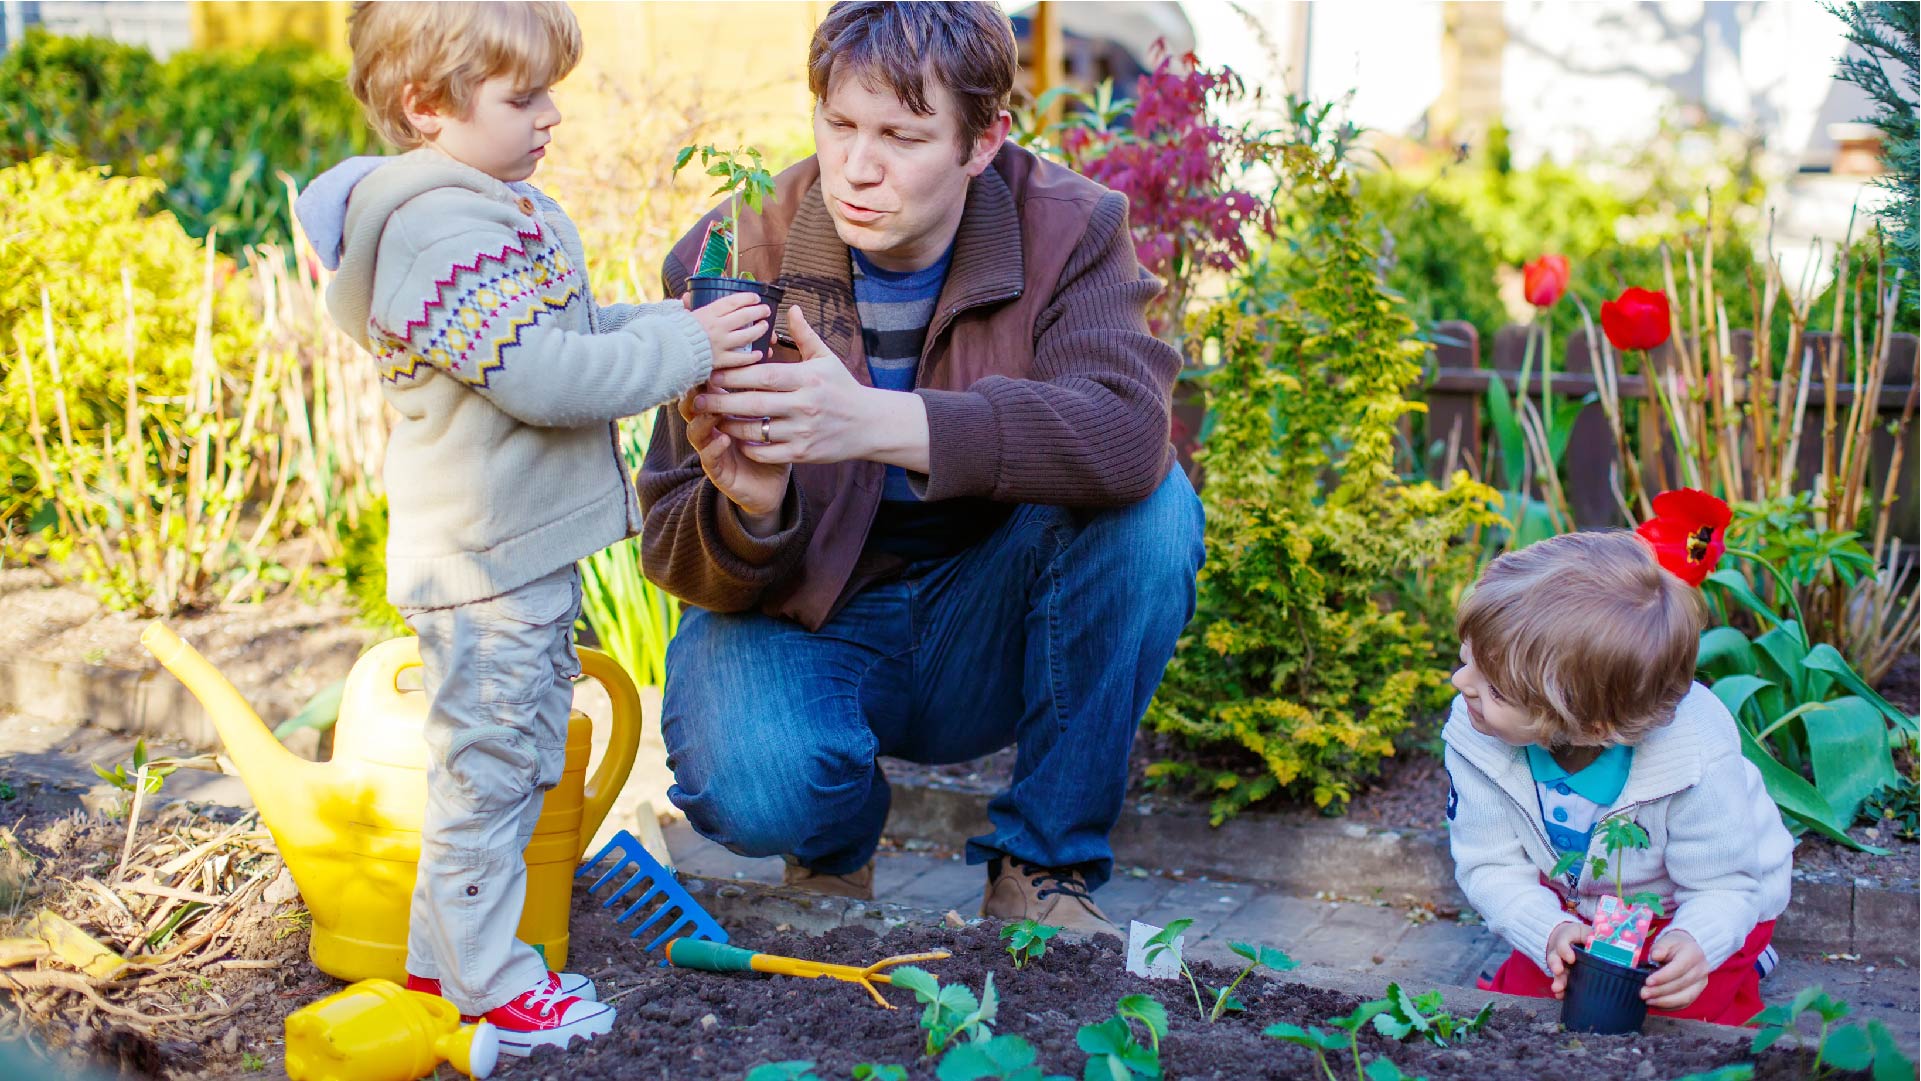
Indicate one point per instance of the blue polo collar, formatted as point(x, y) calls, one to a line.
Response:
point(1599, 782)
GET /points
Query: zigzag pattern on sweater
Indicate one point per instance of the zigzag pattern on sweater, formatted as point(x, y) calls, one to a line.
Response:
point(464, 335)
point(440, 284)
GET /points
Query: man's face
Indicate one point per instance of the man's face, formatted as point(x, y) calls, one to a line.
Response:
point(894, 182)
point(506, 134)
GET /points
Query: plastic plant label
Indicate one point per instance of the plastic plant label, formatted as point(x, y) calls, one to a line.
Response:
point(1167, 966)
point(1620, 931)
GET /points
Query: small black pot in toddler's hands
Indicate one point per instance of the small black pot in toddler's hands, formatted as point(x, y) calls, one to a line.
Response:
point(708, 288)
point(1602, 996)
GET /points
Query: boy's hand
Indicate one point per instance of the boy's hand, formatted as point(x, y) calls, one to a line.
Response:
point(733, 323)
point(1683, 974)
point(1560, 951)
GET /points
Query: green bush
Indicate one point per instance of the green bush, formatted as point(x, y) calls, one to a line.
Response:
point(1300, 667)
point(215, 126)
point(70, 233)
point(1436, 257)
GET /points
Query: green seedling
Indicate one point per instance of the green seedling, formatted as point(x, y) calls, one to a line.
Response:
point(796, 1070)
point(1320, 1041)
point(952, 1011)
point(148, 775)
point(1027, 940)
point(1000, 1058)
point(1868, 1048)
point(1224, 1000)
point(6, 791)
point(1740, 1071)
point(876, 1071)
point(743, 178)
point(1112, 1050)
point(1405, 1015)
point(251, 1062)
point(1617, 835)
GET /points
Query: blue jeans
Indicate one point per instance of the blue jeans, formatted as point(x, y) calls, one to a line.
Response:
point(1051, 635)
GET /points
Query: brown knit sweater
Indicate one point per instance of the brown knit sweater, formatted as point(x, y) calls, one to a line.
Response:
point(1041, 382)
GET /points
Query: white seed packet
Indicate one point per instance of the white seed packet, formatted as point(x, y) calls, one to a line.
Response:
point(1165, 967)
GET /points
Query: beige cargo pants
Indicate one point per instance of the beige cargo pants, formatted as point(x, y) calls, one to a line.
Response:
point(499, 675)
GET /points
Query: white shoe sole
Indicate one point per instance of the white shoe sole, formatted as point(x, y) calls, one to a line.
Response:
point(522, 1044)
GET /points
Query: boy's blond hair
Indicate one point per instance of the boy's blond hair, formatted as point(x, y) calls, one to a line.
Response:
point(1587, 634)
point(447, 50)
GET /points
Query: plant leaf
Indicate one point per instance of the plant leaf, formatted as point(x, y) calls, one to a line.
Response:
point(1145, 1009)
point(1826, 658)
point(1848, 1048)
point(1848, 748)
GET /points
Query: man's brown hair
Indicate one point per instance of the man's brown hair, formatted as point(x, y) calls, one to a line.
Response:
point(969, 44)
point(1587, 634)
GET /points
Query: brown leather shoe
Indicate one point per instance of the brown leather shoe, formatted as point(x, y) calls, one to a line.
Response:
point(1058, 898)
point(856, 884)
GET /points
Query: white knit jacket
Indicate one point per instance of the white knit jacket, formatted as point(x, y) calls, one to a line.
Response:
point(1718, 856)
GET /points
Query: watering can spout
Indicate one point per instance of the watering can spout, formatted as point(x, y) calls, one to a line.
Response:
point(286, 788)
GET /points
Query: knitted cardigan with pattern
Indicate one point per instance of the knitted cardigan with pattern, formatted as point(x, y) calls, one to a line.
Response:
point(1719, 857)
point(504, 376)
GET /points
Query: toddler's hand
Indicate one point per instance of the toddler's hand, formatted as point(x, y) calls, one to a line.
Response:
point(733, 323)
point(1683, 974)
point(1560, 951)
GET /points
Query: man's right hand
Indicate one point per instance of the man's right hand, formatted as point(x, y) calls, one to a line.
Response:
point(755, 487)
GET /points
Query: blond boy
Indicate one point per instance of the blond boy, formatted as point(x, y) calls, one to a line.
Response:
point(1578, 704)
point(469, 287)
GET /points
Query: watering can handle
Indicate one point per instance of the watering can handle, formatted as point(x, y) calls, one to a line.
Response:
point(623, 742)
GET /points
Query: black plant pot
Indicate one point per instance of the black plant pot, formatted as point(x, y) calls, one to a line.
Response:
point(1603, 997)
point(707, 289)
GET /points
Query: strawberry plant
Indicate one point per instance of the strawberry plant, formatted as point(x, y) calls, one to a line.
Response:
point(1854, 1048)
point(1403, 1015)
point(999, 1058)
point(951, 1011)
point(743, 178)
point(1320, 1041)
point(1224, 1000)
point(875, 1071)
point(1617, 835)
point(1111, 1047)
point(783, 1071)
point(1027, 940)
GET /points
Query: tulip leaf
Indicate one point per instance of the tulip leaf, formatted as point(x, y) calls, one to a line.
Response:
point(1728, 649)
point(1737, 587)
point(1735, 691)
point(1848, 747)
point(1826, 658)
point(1785, 647)
point(1507, 431)
point(1795, 796)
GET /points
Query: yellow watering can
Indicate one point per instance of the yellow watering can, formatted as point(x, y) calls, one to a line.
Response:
point(378, 1031)
point(349, 828)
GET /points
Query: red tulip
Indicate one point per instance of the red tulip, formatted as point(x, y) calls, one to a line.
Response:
point(1688, 532)
point(1637, 319)
point(1544, 280)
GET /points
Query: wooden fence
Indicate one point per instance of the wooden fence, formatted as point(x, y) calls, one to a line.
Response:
point(1459, 381)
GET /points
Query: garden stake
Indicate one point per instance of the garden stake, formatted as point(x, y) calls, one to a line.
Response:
point(660, 883)
point(720, 957)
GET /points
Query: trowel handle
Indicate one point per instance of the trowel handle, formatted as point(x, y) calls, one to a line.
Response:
point(623, 742)
point(709, 956)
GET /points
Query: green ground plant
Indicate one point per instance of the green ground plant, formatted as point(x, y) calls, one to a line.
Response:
point(1267, 957)
point(1113, 1053)
point(1403, 1015)
point(1853, 1048)
point(876, 1071)
point(1345, 1037)
point(997, 1058)
point(952, 1012)
point(1298, 668)
point(1027, 940)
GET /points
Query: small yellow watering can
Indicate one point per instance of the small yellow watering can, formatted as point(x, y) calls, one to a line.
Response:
point(379, 1031)
point(349, 828)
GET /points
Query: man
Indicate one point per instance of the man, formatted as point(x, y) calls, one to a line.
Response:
point(947, 523)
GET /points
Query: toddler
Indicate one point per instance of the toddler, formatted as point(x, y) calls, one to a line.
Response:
point(469, 287)
point(1578, 704)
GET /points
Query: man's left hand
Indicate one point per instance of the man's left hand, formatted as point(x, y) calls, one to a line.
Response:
point(1683, 974)
point(815, 410)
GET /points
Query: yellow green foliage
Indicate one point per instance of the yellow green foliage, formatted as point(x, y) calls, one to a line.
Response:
point(81, 236)
point(1301, 665)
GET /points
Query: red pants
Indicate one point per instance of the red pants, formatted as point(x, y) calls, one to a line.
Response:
point(1732, 996)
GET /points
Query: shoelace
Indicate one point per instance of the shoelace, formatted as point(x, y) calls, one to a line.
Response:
point(541, 1000)
point(1065, 883)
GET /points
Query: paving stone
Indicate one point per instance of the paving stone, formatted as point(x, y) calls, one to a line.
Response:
point(1272, 919)
point(941, 885)
point(1351, 937)
point(696, 855)
point(1125, 897)
point(1208, 904)
point(1442, 952)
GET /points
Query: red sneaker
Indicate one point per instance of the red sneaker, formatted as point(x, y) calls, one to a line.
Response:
point(544, 1017)
point(571, 983)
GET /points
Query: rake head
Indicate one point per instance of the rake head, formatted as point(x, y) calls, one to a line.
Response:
point(666, 904)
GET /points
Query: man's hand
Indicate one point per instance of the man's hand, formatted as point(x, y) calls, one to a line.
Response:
point(755, 487)
point(814, 410)
point(1683, 974)
point(1560, 951)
